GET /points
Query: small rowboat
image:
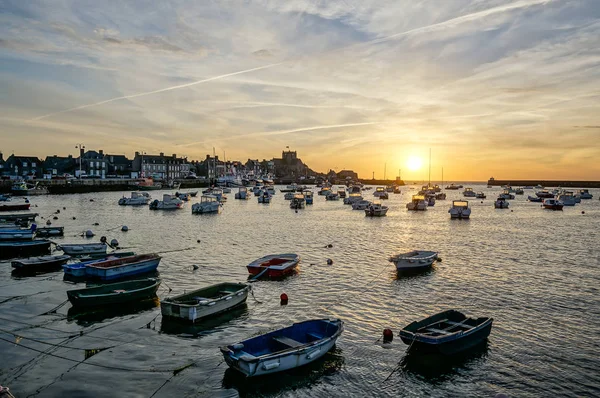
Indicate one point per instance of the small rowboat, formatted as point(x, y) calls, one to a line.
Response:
point(80, 249)
point(14, 207)
point(40, 263)
point(16, 234)
point(77, 270)
point(448, 333)
point(122, 267)
point(50, 231)
point(114, 293)
point(274, 265)
point(24, 248)
point(18, 217)
point(205, 302)
point(415, 260)
point(284, 349)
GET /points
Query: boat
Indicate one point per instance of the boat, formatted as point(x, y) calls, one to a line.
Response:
point(226, 189)
point(585, 194)
point(193, 194)
point(122, 267)
point(7, 234)
point(567, 198)
point(270, 189)
point(80, 249)
point(355, 189)
point(460, 209)
point(341, 193)
point(22, 188)
point(480, 195)
point(14, 206)
point(257, 191)
point(290, 188)
point(146, 184)
point(527, 187)
point(380, 193)
point(274, 265)
point(506, 195)
point(398, 191)
point(544, 194)
point(283, 349)
point(264, 197)
point(376, 210)
point(218, 193)
point(453, 187)
point(414, 260)
point(24, 248)
point(297, 201)
point(242, 193)
point(207, 204)
point(352, 198)
point(186, 197)
point(361, 204)
point(332, 196)
point(501, 203)
point(289, 195)
point(308, 196)
point(469, 193)
point(12, 218)
point(169, 202)
point(552, 204)
point(417, 203)
point(40, 263)
point(77, 270)
point(538, 186)
point(136, 199)
point(49, 231)
point(519, 191)
point(534, 199)
point(114, 293)
point(325, 190)
point(205, 302)
point(430, 199)
point(447, 333)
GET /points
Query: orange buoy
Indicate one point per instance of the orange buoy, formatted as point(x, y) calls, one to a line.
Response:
point(388, 335)
point(283, 298)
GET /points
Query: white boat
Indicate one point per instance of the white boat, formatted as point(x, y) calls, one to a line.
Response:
point(460, 209)
point(506, 195)
point(501, 203)
point(242, 193)
point(469, 193)
point(453, 187)
point(207, 204)
point(585, 194)
point(418, 203)
point(332, 196)
point(202, 303)
point(289, 195)
point(264, 197)
point(325, 190)
point(169, 202)
point(361, 205)
point(376, 210)
point(308, 196)
point(297, 201)
point(80, 249)
point(351, 198)
point(136, 199)
point(380, 193)
point(552, 204)
point(567, 198)
point(414, 260)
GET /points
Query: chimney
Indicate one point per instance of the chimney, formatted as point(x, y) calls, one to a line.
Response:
point(101, 152)
point(80, 152)
point(137, 154)
point(162, 154)
point(174, 156)
point(70, 156)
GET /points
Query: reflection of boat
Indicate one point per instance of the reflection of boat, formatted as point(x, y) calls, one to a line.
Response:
point(85, 316)
point(283, 349)
point(414, 260)
point(376, 210)
point(207, 204)
point(418, 203)
point(460, 209)
point(40, 263)
point(170, 325)
point(114, 293)
point(79, 249)
point(448, 333)
point(24, 248)
point(211, 300)
point(136, 199)
point(274, 265)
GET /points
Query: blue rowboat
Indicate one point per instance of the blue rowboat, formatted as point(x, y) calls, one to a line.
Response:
point(122, 267)
point(24, 248)
point(16, 234)
point(77, 270)
point(284, 349)
point(447, 333)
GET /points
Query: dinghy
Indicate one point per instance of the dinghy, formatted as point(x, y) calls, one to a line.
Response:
point(283, 349)
point(112, 269)
point(448, 333)
point(198, 304)
point(49, 231)
point(24, 248)
point(77, 270)
point(114, 293)
point(274, 265)
point(40, 263)
point(80, 249)
point(415, 260)
point(18, 217)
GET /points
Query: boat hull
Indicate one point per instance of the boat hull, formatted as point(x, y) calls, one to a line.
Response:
point(24, 249)
point(122, 271)
point(7, 234)
point(40, 263)
point(273, 273)
point(18, 217)
point(103, 296)
point(451, 347)
point(50, 231)
point(24, 206)
point(83, 249)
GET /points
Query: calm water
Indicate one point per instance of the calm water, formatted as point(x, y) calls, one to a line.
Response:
point(535, 271)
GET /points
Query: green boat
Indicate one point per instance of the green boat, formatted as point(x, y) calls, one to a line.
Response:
point(114, 293)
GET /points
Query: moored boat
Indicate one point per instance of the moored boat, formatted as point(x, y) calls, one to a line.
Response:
point(169, 202)
point(585, 194)
point(49, 231)
point(376, 210)
point(40, 263)
point(242, 193)
point(18, 217)
point(114, 293)
point(506, 194)
point(447, 333)
point(414, 260)
point(460, 209)
point(480, 195)
point(567, 198)
point(136, 199)
point(332, 196)
point(80, 249)
point(6, 206)
point(501, 203)
point(308, 196)
point(469, 193)
point(417, 203)
point(380, 193)
point(361, 204)
point(7, 234)
point(453, 187)
point(274, 265)
point(208, 301)
point(24, 248)
point(544, 194)
point(122, 267)
point(552, 204)
point(297, 201)
point(283, 349)
point(77, 270)
point(207, 204)
point(352, 198)
point(534, 198)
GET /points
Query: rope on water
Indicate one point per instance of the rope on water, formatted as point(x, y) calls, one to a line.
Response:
point(19, 337)
point(53, 310)
point(255, 299)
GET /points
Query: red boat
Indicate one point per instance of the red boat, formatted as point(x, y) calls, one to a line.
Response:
point(11, 207)
point(274, 265)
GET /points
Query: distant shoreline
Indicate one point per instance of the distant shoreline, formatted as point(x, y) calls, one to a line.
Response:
point(546, 183)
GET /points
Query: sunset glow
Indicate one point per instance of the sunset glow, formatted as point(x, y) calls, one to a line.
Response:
point(414, 163)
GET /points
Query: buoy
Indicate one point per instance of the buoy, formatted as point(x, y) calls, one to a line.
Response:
point(103, 239)
point(48, 222)
point(283, 298)
point(74, 218)
point(64, 208)
point(388, 335)
point(583, 212)
point(511, 211)
point(91, 200)
point(198, 241)
point(26, 200)
point(114, 243)
point(195, 267)
point(96, 223)
point(57, 211)
point(439, 259)
point(124, 228)
point(330, 246)
point(329, 261)
point(89, 233)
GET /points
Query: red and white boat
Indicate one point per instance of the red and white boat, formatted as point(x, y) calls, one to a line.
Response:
point(553, 204)
point(274, 265)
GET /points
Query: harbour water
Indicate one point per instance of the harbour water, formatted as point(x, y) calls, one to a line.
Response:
point(535, 271)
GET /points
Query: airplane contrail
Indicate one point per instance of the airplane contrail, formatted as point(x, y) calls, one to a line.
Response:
point(157, 91)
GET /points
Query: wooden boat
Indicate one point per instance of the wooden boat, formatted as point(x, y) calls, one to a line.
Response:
point(18, 217)
point(198, 304)
point(79, 249)
point(283, 349)
point(14, 207)
point(7, 234)
point(448, 332)
point(114, 293)
point(40, 263)
point(414, 260)
point(50, 231)
point(112, 269)
point(274, 265)
point(24, 248)
point(77, 270)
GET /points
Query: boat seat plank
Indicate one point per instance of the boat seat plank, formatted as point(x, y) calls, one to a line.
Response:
point(440, 331)
point(225, 292)
point(457, 324)
point(314, 336)
point(287, 341)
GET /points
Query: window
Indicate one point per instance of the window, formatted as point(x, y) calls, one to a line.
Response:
point(33, 164)
point(24, 164)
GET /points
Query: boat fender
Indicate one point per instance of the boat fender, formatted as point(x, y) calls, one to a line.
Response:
point(313, 353)
point(114, 243)
point(583, 212)
point(89, 233)
point(329, 261)
point(55, 218)
point(268, 365)
point(284, 298)
point(74, 218)
point(388, 335)
point(57, 211)
point(103, 239)
point(439, 259)
point(33, 227)
point(124, 228)
point(64, 208)
point(48, 222)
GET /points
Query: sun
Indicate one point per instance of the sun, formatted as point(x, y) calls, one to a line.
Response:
point(414, 163)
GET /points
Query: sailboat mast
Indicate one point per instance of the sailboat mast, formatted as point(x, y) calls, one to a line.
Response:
point(429, 166)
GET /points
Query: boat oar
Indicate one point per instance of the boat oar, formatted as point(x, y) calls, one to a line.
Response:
point(255, 277)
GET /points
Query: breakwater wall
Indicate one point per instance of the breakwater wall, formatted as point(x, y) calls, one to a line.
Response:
point(546, 183)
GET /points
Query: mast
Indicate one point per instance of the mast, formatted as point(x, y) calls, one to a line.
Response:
point(384, 170)
point(442, 177)
point(429, 184)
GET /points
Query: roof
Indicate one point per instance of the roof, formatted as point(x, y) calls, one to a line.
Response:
point(23, 159)
point(118, 159)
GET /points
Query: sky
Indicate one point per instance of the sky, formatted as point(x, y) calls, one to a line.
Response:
point(503, 88)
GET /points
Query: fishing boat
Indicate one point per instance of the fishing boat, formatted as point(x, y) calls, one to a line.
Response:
point(501, 203)
point(480, 195)
point(585, 194)
point(18, 217)
point(332, 196)
point(136, 199)
point(447, 333)
point(352, 198)
point(506, 195)
point(297, 202)
point(417, 203)
point(49, 231)
point(552, 204)
point(207, 204)
point(202, 303)
point(7, 234)
point(80, 249)
point(534, 199)
point(376, 210)
point(121, 267)
point(414, 260)
point(283, 349)
point(361, 204)
point(325, 190)
point(453, 187)
point(28, 189)
point(460, 209)
point(40, 263)
point(169, 202)
point(308, 196)
point(469, 193)
point(242, 193)
point(14, 206)
point(146, 184)
point(114, 293)
point(24, 248)
point(380, 193)
point(274, 265)
point(567, 198)
point(264, 197)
